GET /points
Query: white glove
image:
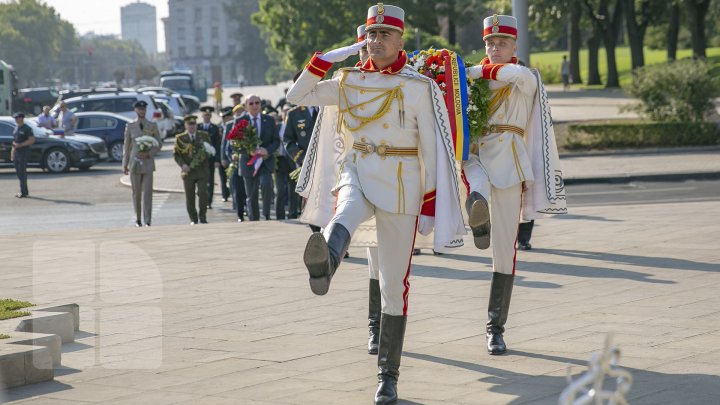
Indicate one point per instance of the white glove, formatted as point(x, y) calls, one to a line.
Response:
point(426, 224)
point(474, 71)
point(340, 54)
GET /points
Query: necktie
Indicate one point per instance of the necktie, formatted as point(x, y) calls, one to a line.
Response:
point(255, 122)
point(313, 112)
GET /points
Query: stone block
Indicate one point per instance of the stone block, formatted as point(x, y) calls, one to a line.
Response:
point(21, 365)
point(72, 309)
point(56, 323)
point(51, 341)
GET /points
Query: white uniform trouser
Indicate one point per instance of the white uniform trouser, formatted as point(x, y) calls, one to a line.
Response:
point(373, 263)
point(504, 216)
point(396, 237)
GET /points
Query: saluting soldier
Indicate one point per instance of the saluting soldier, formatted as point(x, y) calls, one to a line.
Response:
point(141, 165)
point(213, 132)
point(513, 170)
point(383, 138)
point(191, 156)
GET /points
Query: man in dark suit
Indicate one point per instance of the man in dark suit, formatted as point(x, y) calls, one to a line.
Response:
point(298, 129)
point(190, 156)
point(237, 186)
point(284, 186)
point(213, 132)
point(267, 133)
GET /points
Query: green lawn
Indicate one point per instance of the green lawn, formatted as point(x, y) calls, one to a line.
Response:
point(9, 308)
point(549, 62)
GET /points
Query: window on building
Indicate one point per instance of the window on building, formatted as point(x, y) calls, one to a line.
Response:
point(182, 52)
point(198, 13)
point(231, 50)
point(181, 33)
point(181, 15)
point(215, 33)
point(198, 34)
point(215, 51)
point(199, 52)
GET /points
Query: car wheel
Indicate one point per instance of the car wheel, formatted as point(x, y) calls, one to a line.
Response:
point(37, 109)
point(116, 151)
point(57, 161)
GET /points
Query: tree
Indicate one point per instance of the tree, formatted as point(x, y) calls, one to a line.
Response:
point(639, 14)
point(574, 41)
point(696, 11)
point(298, 28)
point(673, 30)
point(608, 26)
point(33, 35)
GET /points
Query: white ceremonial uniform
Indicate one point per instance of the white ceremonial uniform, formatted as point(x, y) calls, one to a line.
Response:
point(499, 164)
point(380, 173)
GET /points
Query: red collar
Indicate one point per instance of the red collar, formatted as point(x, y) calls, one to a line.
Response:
point(486, 61)
point(396, 66)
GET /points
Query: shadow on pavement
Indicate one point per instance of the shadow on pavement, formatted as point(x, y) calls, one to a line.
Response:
point(694, 388)
point(586, 217)
point(588, 271)
point(33, 390)
point(60, 201)
point(643, 261)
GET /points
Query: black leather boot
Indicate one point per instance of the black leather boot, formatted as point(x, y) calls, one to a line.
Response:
point(322, 257)
point(479, 219)
point(374, 316)
point(498, 307)
point(524, 234)
point(392, 334)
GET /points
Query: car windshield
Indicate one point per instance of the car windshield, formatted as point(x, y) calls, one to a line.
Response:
point(177, 84)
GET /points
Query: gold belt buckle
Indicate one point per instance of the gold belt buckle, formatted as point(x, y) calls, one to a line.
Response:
point(369, 148)
point(381, 150)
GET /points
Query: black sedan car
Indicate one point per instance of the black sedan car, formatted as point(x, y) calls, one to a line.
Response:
point(51, 152)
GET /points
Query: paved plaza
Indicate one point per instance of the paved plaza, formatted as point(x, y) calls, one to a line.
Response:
point(222, 313)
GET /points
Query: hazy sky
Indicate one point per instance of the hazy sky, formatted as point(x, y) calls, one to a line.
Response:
point(103, 16)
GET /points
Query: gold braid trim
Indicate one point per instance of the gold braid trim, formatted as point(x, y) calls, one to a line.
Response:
point(389, 96)
point(498, 98)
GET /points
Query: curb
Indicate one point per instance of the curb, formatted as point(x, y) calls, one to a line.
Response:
point(645, 177)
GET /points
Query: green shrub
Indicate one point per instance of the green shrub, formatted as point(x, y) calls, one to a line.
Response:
point(682, 91)
point(550, 73)
point(641, 134)
point(4, 336)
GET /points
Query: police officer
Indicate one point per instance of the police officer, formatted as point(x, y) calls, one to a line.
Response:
point(141, 165)
point(193, 161)
point(22, 139)
point(213, 132)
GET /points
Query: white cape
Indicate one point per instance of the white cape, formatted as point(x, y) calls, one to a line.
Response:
point(327, 149)
point(546, 194)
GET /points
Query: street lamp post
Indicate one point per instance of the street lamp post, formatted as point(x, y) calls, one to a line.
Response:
point(520, 12)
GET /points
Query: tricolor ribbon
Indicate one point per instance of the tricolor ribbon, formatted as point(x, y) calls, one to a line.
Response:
point(456, 100)
point(255, 161)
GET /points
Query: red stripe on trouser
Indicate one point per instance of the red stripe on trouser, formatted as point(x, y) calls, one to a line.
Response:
point(465, 180)
point(406, 281)
point(517, 233)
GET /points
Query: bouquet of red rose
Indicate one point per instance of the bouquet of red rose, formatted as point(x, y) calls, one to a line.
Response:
point(242, 137)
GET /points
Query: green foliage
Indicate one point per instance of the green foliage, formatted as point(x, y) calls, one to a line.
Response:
point(110, 54)
point(9, 308)
point(4, 336)
point(554, 58)
point(32, 35)
point(614, 134)
point(682, 91)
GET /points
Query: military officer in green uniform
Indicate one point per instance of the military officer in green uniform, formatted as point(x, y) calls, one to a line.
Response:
point(193, 157)
point(213, 132)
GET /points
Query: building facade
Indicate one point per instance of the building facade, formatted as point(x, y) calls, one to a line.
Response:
point(200, 37)
point(139, 23)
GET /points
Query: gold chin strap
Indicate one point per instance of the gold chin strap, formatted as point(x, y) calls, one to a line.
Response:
point(389, 96)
